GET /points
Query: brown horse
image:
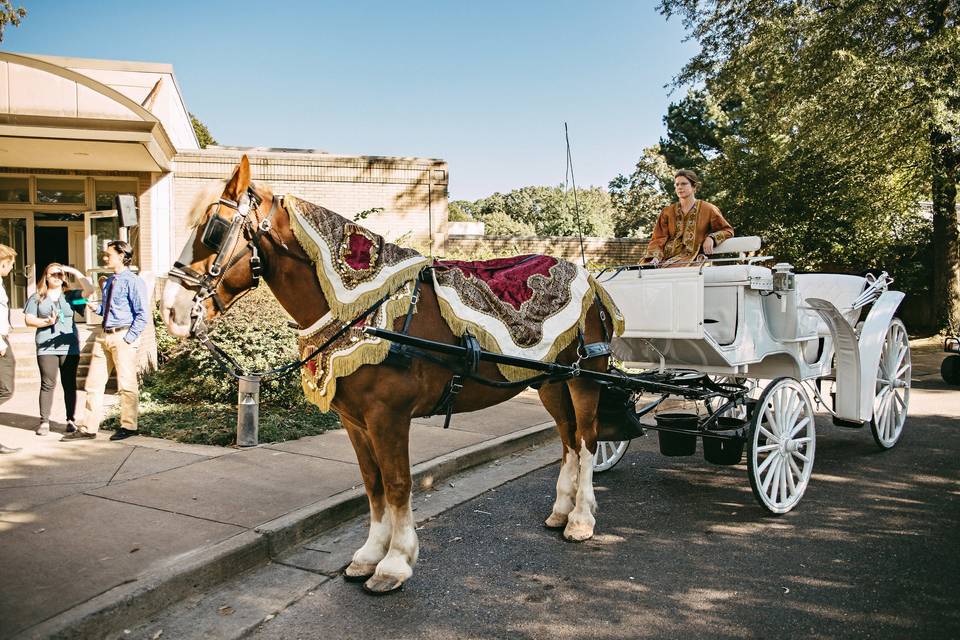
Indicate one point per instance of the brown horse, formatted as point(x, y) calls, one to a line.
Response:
point(377, 402)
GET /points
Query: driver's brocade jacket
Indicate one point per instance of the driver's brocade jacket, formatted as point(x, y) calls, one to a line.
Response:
point(680, 235)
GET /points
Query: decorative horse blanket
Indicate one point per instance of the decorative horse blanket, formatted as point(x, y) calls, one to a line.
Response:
point(526, 306)
point(355, 267)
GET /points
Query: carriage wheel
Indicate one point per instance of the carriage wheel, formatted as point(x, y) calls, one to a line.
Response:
point(608, 454)
point(950, 369)
point(781, 447)
point(893, 387)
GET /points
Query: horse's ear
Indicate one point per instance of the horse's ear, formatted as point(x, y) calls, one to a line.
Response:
point(239, 181)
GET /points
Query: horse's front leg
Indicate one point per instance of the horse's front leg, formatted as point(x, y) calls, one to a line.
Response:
point(389, 436)
point(580, 522)
point(367, 557)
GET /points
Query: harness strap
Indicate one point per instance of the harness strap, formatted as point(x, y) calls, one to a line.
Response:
point(467, 369)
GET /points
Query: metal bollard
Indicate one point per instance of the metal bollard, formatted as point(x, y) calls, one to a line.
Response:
point(248, 411)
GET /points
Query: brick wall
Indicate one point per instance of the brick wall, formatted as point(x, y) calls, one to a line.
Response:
point(411, 191)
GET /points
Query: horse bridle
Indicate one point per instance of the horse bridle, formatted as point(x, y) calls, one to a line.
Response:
point(217, 235)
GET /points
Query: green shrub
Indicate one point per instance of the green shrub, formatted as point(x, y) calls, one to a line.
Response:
point(189, 398)
point(254, 332)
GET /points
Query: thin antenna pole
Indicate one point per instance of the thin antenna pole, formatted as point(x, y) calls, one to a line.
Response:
point(576, 202)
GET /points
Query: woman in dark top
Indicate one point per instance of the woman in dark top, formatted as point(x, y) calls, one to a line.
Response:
point(51, 310)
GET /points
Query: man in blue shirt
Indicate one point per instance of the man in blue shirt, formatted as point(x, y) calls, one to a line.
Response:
point(124, 312)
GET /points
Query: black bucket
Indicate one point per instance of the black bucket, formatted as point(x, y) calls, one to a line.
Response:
point(724, 451)
point(677, 444)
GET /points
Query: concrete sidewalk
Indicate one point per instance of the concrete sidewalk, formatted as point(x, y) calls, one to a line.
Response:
point(97, 535)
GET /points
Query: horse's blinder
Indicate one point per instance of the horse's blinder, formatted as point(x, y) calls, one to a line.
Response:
point(217, 236)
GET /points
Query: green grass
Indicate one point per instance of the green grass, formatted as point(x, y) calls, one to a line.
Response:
point(216, 423)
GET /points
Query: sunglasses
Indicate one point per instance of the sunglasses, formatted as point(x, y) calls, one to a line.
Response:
point(55, 274)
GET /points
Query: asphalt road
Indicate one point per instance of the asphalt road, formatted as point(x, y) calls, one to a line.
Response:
point(682, 550)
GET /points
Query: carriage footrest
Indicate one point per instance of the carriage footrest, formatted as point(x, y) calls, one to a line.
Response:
point(848, 424)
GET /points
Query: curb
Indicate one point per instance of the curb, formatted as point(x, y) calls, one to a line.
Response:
point(129, 604)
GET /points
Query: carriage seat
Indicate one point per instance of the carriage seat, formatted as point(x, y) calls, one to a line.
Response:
point(738, 244)
point(723, 290)
point(839, 289)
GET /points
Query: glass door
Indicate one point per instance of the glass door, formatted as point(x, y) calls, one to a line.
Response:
point(99, 228)
point(16, 231)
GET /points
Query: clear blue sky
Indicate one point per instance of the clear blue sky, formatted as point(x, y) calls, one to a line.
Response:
point(484, 85)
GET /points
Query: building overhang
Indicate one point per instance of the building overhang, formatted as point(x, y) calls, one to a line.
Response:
point(55, 118)
point(43, 142)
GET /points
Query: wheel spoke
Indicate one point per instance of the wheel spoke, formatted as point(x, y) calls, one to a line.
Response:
point(799, 426)
point(774, 475)
point(796, 469)
point(804, 440)
point(783, 483)
point(800, 455)
point(769, 436)
point(788, 468)
point(765, 484)
point(766, 463)
point(767, 447)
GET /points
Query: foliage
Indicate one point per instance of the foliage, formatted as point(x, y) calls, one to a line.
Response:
point(638, 198)
point(815, 122)
point(204, 137)
point(189, 398)
point(545, 211)
point(456, 211)
point(10, 15)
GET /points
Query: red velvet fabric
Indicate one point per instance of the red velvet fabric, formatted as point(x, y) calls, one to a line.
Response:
point(358, 254)
point(507, 277)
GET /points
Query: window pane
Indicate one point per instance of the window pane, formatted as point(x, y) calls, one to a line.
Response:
point(60, 191)
point(14, 189)
point(102, 231)
point(107, 190)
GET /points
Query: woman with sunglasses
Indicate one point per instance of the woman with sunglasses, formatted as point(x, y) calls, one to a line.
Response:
point(51, 310)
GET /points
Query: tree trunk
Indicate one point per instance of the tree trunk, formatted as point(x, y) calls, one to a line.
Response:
point(946, 240)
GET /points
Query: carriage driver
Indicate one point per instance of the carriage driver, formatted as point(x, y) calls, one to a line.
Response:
point(686, 231)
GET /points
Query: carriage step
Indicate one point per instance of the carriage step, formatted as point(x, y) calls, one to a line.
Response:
point(848, 424)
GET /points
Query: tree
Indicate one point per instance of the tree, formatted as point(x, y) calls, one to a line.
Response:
point(204, 136)
point(639, 197)
point(545, 211)
point(10, 15)
point(849, 108)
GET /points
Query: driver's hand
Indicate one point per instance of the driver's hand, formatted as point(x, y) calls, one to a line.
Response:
point(655, 262)
point(708, 245)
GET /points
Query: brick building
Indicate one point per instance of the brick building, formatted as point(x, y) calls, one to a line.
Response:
point(75, 132)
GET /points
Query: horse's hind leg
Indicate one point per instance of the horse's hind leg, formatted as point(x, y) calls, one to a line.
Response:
point(556, 400)
point(585, 396)
point(389, 436)
point(365, 559)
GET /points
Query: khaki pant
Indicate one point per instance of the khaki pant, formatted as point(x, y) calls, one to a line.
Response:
point(110, 352)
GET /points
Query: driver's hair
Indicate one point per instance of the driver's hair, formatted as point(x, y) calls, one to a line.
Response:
point(690, 175)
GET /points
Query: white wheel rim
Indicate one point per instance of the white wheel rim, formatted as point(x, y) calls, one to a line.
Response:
point(893, 386)
point(608, 454)
point(784, 441)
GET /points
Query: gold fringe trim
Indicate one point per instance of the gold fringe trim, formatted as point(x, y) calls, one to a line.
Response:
point(345, 310)
point(372, 352)
point(459, 326)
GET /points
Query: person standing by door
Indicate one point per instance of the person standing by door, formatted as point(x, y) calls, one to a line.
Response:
point(51, 310)
point(8, 364)
point(124, 312)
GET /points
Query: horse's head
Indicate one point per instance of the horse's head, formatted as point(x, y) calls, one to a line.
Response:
point(222, 259)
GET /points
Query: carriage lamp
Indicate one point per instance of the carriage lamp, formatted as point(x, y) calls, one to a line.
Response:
point(783, 277)
point(248, 411)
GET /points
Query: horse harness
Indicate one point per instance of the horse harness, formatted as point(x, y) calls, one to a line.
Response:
point(218, 233)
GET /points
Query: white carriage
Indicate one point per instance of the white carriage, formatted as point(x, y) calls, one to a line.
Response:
point(798, 340)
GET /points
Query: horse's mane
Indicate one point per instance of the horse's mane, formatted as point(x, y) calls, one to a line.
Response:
point(200, 209)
